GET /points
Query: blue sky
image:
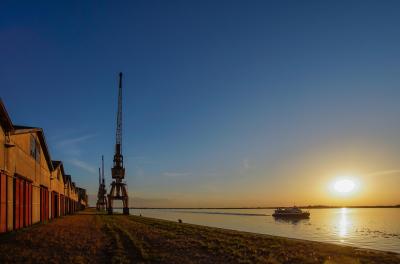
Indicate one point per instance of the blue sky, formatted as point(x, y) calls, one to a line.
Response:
point(225, 102)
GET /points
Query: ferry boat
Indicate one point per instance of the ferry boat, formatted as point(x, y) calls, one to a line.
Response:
point(292, 212)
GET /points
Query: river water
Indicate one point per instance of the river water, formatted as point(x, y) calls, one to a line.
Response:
point(374, 228)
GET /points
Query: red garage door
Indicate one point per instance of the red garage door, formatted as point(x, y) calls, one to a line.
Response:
point(62, 205)
point(3, 203)
point(54, 205)
point(44, 204)
point(67, 208)
point(28, 203)
point(17, 201)
point(22, 203)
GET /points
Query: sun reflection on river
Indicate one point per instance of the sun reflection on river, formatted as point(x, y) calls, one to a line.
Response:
point(343, 224)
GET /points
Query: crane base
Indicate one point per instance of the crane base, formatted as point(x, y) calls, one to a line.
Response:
point(118, 192)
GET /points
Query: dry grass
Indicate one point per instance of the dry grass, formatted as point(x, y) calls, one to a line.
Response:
point(71, 239)
point(91, 238)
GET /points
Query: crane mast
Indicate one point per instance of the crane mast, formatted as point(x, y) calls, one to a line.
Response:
point(118, 188)
point(118, 135)
point(102, 170)
point(118, 170)
point(102, 192)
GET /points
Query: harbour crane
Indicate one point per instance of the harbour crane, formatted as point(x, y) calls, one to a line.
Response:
point(118, 188)
point(102, 192)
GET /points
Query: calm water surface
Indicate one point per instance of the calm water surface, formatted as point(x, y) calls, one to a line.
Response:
point(375, 228)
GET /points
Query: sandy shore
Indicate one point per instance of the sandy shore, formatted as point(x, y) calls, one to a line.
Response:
point(89, 237)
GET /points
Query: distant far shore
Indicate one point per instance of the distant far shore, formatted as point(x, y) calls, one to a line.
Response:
point(271, 207)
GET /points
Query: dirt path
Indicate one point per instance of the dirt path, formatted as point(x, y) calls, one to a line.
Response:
point(89, 237)
point(124, 249)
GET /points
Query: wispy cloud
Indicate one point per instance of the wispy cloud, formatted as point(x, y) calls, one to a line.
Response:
point(64, 133)
point(383, 172)
point(176, 174)
point(72, 146)
point(73, 141)
point(83, 165)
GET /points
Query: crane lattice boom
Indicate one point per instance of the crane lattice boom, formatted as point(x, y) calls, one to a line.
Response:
point(118, 188)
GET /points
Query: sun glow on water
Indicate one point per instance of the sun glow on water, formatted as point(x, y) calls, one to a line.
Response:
point(343, 224)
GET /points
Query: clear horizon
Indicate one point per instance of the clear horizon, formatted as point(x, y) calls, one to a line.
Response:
point(226, 103)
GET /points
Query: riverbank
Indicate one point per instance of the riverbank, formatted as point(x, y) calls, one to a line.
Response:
point(89, 237)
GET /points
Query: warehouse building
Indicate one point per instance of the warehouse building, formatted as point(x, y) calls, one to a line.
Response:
point(33, 187)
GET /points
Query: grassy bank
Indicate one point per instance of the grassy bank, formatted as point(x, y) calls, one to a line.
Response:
point(97, 238)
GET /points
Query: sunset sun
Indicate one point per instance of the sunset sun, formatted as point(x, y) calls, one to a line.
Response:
point(344, 186)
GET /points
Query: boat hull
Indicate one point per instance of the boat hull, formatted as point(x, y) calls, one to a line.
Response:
point(288, 215)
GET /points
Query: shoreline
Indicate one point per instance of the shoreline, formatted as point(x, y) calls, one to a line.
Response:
point(92, 237)
point(283, 237)
point(267, 207)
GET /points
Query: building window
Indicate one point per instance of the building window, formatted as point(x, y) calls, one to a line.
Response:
point(35, 149)
point(37, 152)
